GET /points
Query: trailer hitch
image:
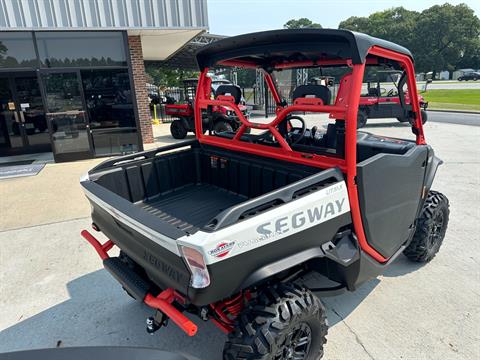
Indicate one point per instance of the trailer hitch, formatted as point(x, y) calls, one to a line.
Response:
point(156, 321)
point(162, 302)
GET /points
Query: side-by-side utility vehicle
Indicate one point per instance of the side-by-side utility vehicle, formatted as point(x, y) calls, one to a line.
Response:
point(218, 119)
point(248, 230)
point(380, 103)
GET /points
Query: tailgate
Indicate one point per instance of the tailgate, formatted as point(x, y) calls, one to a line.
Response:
point(148, 240)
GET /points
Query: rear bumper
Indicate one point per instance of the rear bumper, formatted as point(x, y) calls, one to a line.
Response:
point(139, 287)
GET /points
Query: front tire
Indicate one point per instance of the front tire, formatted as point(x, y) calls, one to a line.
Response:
point(361, 119)
point(284, 322)
point(178, 130)
point(431, 227)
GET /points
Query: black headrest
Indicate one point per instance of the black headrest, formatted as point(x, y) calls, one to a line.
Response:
point(317, 91)
point(232, 90)
point(374, 91)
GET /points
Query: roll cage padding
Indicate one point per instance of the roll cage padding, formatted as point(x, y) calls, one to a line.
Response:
point(232, 90)
point(317, 91)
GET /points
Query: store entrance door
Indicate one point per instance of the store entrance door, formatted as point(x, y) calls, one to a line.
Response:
point(23, 125)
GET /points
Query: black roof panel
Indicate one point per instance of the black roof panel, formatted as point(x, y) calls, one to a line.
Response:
point(267, 47)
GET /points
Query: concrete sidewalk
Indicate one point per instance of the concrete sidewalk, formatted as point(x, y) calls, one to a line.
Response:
point(54, 292)
point(54, 195)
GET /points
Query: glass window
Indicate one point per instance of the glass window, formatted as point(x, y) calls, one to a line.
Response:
point(65, 113)
point(115, 141)
point(110, 110)
point(62, 92)
point(109, 98)
point(92, 49)
point(17, 50)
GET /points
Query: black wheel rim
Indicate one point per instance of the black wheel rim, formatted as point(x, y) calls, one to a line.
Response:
point(297, 344)
point(436, 232)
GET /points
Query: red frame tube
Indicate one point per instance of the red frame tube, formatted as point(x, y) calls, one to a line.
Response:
point(351, 160)
point(162, 302)
point(289, 65)
point(101, 249)
point(407, 64)
point(271, 85)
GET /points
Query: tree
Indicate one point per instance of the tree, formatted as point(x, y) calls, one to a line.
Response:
point(441, 37)
point(396, 24)
point(168, 77)
point(471, 56)
point(448, 33)
point(301, 23)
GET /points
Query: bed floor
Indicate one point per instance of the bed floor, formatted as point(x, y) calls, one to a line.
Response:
point(193, 206)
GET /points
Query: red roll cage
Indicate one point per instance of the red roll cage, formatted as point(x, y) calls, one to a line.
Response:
point(343, 110)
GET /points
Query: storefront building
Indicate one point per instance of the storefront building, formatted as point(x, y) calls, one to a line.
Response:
point(72, 77)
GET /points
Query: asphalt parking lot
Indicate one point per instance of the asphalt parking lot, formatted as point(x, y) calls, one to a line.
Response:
point(54, 292)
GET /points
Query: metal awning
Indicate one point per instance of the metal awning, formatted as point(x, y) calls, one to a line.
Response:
point(184, 58)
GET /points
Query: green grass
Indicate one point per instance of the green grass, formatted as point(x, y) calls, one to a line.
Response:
point(461, 99)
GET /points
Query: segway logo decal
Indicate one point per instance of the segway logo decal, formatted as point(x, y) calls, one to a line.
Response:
point(222, 249)
point(306, 217)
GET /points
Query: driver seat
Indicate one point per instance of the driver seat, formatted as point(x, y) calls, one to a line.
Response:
point(310, 94)
point(229, 93)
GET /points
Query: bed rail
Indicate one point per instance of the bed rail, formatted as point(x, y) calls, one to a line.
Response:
point(284, 195)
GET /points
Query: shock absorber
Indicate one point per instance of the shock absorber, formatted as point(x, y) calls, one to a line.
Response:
point(227, 311)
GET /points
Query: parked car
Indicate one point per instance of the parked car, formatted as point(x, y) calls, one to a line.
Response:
point(474, 75)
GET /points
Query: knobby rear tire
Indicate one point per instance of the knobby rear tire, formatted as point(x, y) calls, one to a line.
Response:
point(267, 329)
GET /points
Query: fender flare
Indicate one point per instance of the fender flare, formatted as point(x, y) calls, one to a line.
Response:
point(283, 264)
point(345, 257)
point(433, 163)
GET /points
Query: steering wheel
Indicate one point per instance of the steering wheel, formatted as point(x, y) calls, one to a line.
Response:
point(302, 129)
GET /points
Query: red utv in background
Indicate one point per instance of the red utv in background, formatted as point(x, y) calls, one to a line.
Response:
point(217, 120)
point(379, 103)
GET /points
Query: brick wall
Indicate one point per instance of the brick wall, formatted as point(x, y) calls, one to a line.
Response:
point(139, 83)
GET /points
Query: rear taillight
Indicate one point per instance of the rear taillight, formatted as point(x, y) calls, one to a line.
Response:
point(196, 263)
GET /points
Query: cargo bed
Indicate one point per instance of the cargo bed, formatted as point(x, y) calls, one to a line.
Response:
point(189, 188)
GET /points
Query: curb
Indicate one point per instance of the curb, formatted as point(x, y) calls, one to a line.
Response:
point(454, 111)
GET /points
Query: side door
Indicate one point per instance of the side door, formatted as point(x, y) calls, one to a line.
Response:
point(390, 190)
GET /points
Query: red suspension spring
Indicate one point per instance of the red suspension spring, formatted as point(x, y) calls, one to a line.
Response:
point(227, 311)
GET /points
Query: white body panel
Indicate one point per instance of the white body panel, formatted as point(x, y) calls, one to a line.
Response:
point(272, 225)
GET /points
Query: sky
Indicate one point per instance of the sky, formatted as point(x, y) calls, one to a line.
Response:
point(233, 17)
